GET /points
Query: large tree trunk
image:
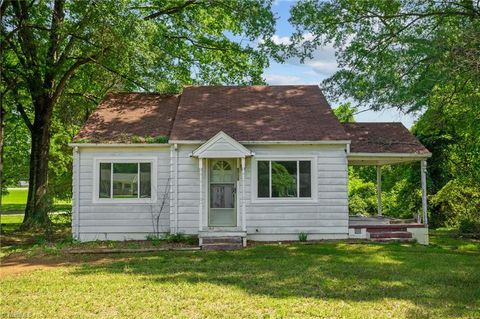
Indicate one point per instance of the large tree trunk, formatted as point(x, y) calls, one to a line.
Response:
point(2, 128)
point(38, 202)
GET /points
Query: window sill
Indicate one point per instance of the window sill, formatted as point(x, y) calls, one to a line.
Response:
point(124, 201)
point(293, 201)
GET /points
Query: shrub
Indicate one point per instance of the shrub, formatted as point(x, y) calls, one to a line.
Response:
point(458, 203)
point(469, 227)
point(362, 197)
point(154, 239)
point(302, 237)
point(180, 238)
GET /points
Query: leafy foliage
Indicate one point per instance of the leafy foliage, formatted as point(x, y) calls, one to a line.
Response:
point(59, 58)
point(459, 205)
point(416, 56)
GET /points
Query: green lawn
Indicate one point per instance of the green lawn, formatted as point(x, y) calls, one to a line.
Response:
point(14, 202)
point(327, 280)
point(330, 280)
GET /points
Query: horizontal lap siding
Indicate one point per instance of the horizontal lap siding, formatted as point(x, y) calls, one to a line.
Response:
point(326, 218)
point(120, 221)
point(188, 190)
point(323, 219)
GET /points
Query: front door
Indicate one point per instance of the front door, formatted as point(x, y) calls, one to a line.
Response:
point(222, 197)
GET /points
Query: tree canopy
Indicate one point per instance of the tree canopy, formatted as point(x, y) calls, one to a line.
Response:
point(60, 57)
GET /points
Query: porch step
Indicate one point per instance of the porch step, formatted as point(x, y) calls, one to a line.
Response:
point(390, 235)
point(390, 240)
point(222, 243)
point(215, 240)
point(386, 229)
point(221, 246)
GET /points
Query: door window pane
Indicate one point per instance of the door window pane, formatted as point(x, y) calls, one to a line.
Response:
point(263, 179)
point(222, 196)
point(105, 180)
point(222, 172)
point(125, 180)
point(145, 180)
point(284, 178)
point(305, 179)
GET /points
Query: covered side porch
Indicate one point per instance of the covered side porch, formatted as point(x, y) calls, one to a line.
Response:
point(378, 145)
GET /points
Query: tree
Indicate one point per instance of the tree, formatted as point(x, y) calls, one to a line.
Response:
point(394, 53)
point(416, 56)
point(345, 112)
point(52, 50)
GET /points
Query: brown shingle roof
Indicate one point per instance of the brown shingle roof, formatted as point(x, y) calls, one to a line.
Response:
point(121, 116)
point(382, 138)
point(256, 113)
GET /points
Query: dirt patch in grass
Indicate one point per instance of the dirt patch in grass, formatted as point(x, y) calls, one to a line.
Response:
point(18, 263)
point(54, 255)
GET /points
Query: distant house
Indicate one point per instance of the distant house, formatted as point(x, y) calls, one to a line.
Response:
point(262, 163)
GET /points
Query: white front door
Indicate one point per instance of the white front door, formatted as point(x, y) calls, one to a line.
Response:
point(222, 193)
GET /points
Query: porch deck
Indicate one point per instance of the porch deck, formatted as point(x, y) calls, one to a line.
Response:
point(363, 221)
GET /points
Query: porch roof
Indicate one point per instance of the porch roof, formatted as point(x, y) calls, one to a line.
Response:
point(383, 143)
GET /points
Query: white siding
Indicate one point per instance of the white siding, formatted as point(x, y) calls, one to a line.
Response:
point(119, 221)
point(188, 190)
point(325, 217)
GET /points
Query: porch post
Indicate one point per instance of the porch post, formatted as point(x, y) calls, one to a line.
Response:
point(379, 190)
point(244, 216)
point(200, 208)
point(423, 170)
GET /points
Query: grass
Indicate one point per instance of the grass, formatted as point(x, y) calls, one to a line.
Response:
point(14, 202)
point(326, 280)
point(333, 280)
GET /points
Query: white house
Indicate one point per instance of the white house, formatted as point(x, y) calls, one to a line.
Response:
point(262, 163)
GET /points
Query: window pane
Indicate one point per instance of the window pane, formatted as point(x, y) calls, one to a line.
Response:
point(105, 176)
point(125, 180)
point(284, 179)
point(145, 180)
point(222, 196)
point(263, 179)
point(305, 179)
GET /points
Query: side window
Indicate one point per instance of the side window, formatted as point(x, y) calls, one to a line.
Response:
point(284, 179)
point(125, 180)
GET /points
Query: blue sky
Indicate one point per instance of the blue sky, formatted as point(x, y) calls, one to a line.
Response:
point(316, 70)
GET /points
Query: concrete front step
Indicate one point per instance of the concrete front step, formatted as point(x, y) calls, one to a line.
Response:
point(390, 234)
point(227, 240)
point(222, 246)
point(221, 242)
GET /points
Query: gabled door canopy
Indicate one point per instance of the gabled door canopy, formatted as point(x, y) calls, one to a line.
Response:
point(222, 146)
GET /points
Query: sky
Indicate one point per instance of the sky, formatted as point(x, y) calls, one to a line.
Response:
point(314, 71)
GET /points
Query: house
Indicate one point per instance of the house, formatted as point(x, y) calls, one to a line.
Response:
point(262, 163)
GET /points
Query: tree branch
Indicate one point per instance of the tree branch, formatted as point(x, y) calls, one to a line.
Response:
point(71, 71)
point(171, 10)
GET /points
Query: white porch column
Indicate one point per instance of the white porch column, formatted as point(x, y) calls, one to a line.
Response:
point(379, 190)
point(200, 208)
point(244, 215)
point(423, 171)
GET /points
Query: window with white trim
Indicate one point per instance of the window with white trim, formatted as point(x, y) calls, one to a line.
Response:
point(284, 179)
point(125, 180)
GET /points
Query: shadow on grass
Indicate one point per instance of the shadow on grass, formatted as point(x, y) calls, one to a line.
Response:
point(430, 278)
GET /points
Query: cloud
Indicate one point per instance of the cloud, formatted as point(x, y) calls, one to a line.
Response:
point(281, 40)
point(323, 60)
point(280, 79)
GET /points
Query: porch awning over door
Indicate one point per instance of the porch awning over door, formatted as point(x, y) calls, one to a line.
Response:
point(222, 146)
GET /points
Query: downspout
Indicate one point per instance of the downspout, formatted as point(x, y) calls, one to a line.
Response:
point(176, 189)
point(77, 191)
